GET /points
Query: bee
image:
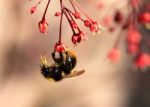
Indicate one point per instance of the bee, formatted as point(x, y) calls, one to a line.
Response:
point(64, 63)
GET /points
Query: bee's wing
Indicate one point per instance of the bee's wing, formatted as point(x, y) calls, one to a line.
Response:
point(74, 74)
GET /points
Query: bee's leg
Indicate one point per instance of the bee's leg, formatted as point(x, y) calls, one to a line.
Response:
point(74, 74)
point(53, 55)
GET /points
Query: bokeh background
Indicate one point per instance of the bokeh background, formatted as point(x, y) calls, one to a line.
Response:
point(103, 85)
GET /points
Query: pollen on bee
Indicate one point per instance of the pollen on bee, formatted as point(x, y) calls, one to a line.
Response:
point(44, 60)
point(51, 79)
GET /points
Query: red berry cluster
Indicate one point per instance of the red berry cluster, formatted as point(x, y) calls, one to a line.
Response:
point(139, 15)
point(71, 15)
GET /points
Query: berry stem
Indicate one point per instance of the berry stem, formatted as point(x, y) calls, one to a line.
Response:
point(73, 13)
point(118, 39)
point(81, 10)
point(69, 22)
point(39, 3)
point(61, 18)
point(73, 6)
point(72, 19)
point(46, 10)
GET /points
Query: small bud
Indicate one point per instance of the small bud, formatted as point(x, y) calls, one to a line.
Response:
point(57, 14)
point(107, 21)
point(43, 26)
point(95, 27)
point(33, 10)
point(114, 55)
point(100, 6)
point(77, 15)
point(73, 24)
point(76, 38)
point(134, 36)
point(87, 23)
point(133, 49)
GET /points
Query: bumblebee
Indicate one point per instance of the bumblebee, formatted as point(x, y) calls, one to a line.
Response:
point(64, 63)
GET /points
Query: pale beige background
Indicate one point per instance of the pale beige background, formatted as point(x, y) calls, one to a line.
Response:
point(21, 85)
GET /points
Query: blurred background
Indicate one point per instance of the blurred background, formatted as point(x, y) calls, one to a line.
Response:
point(102, 85)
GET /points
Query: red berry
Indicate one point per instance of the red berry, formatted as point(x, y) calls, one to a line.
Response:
point(77, 15)
point(143, 60)
point(59, 47)
point(144, 17)
point(76, 38)
point(134, 36)
point(114, 55)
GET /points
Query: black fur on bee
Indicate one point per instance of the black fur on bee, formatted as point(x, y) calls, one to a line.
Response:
point(64, 63)
point(51, 72)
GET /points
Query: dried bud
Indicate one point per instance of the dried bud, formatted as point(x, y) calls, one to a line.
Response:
point(118, 17)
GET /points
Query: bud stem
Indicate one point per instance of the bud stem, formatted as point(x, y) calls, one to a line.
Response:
point(46, 10)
